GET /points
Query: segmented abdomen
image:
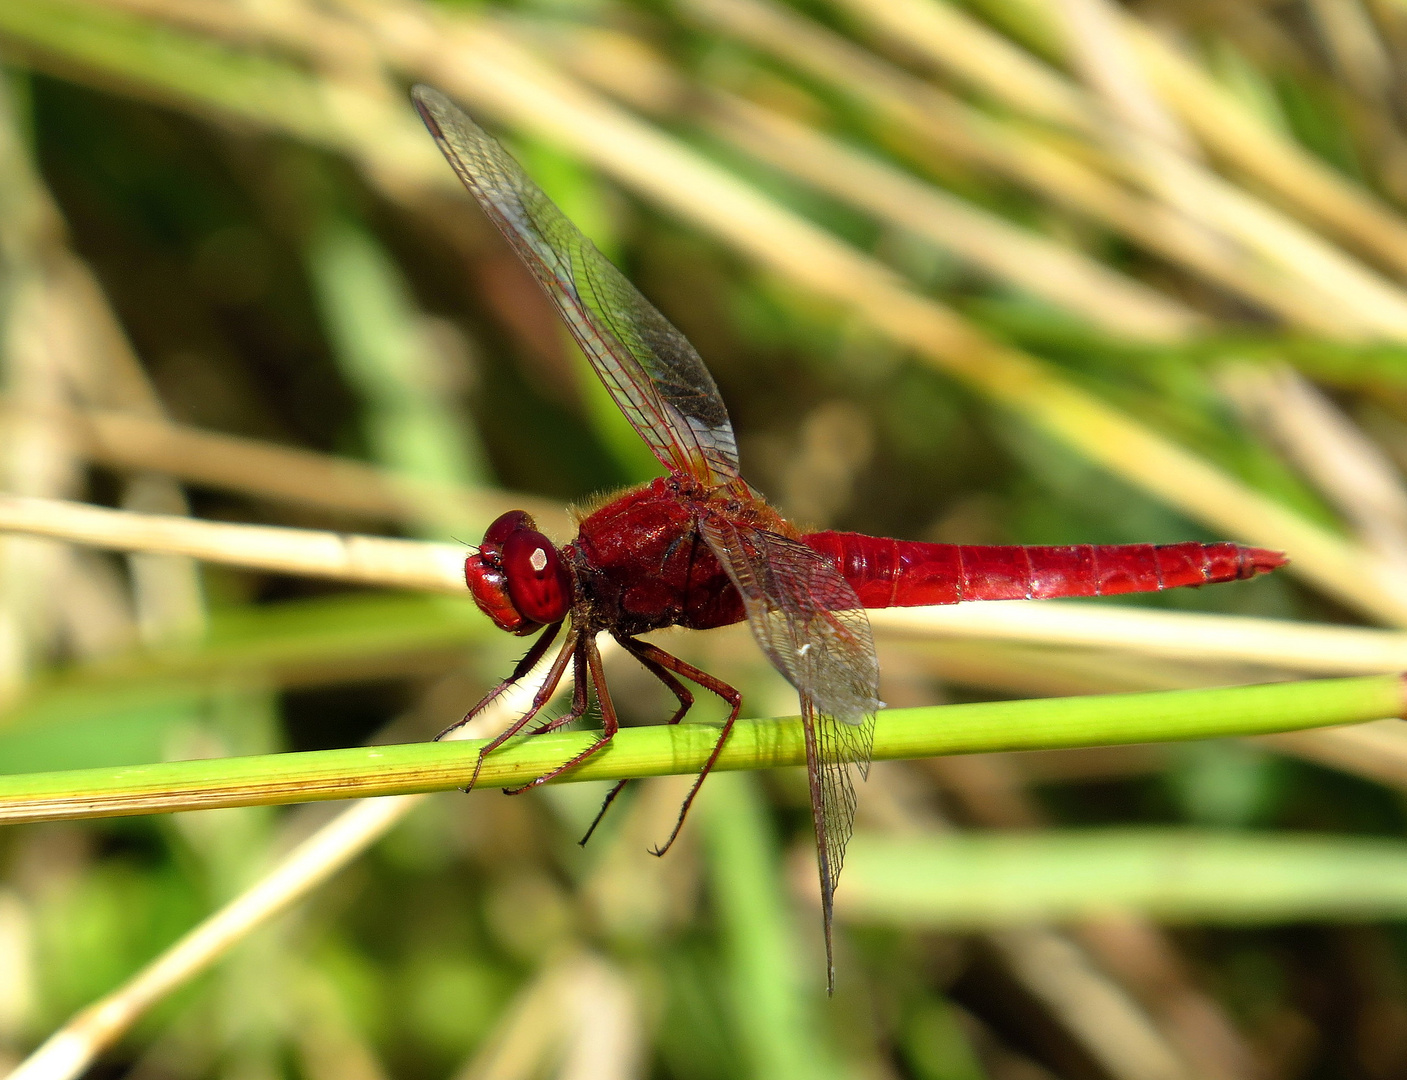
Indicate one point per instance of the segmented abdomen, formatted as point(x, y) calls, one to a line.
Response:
point(908, 573)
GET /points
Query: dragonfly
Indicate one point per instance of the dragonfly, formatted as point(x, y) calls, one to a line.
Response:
point(699, 548)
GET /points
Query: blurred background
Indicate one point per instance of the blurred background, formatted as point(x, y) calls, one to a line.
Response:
point(990, 271)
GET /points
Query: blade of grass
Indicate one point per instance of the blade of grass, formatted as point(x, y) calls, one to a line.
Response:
point(661, 751)
point(764, 986)
point(1176, 874)
point(382, 348)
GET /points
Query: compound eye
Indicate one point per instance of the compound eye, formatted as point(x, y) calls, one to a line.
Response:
point(538, 580)
point(505, 525)
point(489, 586)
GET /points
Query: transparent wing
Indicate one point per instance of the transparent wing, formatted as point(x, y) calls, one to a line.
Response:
point(811, 625)
point(650, 369)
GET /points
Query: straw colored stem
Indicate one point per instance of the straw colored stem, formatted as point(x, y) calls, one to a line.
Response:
point(943, 34)
point(71, 1050)
point(941, 120)
point(1329, 449)
point(1234, 134)
point(123, 440)
point(1365, 298)
point(366, 560)
point(1099, 53)
point(666, 750)
point(494, 73)
point(1060, 275)
point(962, 45)
point(1065, 277)
point(1288, 646)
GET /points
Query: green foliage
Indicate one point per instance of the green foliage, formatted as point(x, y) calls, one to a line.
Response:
point(272, 231)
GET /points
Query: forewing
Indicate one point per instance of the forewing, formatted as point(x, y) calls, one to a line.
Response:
point(811, 625)
point(648, 366)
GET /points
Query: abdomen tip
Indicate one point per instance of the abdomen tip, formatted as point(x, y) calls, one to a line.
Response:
point(1260, 561)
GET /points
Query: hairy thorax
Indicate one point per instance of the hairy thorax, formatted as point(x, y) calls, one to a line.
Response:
point(641, 564)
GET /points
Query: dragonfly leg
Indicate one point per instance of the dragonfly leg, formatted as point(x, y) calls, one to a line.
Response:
point(541, 698)
point(580, 700)
point(525, 665)
point(609, 722)
point(677, 688)
point(644, 651)
point(681, 692)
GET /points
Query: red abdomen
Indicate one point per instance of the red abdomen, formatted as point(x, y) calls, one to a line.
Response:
point(908, 573)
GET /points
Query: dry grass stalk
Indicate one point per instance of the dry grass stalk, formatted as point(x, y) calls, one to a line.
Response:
point(43, 351)
point(499, 78)
point(1092, 1007)
point(957, 129)
point(940, 34)
point(1224, 125)
point(580, 1012)
point(126, 441)
point(1368, 303)
point(1097, 47)
point(1019, 670)
point(1236, 136)
point(72, 1050)
point(1058, 274)
point(1161, 156)
point(1351, 471)
point(366, 560)
point(1288, 646)
point(1061, 275)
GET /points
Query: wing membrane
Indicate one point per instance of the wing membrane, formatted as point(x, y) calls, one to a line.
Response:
point(649, 367)
point(809, 622)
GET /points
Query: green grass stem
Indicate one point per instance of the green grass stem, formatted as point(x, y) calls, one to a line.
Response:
point(659, 751)
point(1177, 874)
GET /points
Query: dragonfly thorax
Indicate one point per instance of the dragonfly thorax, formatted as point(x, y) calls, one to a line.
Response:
point(518, 579)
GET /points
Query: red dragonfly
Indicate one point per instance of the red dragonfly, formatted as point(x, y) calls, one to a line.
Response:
point(699, 548)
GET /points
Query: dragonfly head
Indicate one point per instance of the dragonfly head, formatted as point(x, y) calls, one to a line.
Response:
point(518, 579)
